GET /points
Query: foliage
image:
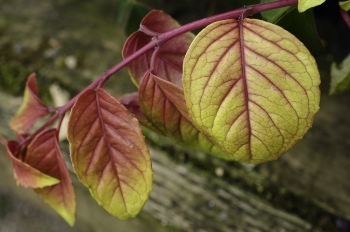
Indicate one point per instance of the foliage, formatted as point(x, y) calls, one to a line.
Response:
point(242, 89)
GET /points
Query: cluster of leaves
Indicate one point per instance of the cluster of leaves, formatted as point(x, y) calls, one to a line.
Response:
point(244, 90)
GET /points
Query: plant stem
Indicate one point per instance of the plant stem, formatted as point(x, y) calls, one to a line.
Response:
point(345, 16)
point(253, 9)
point(157, 41)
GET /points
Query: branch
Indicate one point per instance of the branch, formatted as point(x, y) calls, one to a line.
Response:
point(158, 40)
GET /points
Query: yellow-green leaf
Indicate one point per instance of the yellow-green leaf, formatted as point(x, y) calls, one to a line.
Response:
point(251, 87)
point(304, 5)
point(345, 5)
point(340, 75)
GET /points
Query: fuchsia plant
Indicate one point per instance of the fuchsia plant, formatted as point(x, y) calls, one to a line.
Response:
point(244, 90)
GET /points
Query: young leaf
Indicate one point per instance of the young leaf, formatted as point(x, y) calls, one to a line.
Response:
point(170, 56)
point(109, 153)
point(25, 174)
point(44, 154)
point(304, 5)
point(164, 106)
point(252, 87)
point(340, 77)
point(345, 5)
point(31, 109)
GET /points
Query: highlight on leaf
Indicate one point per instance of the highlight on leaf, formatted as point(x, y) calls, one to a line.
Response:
point(170, 56)
point(252, 87)
point(44, 154)
point(31, 109)
point(26, 175)
point(304, 5)
point(345, 5)
point(109, 153)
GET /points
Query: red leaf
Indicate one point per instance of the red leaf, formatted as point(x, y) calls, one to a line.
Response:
point(170, 56)
point(164, 106)
point(109, 153)
point(131, 102)
point(31, 109)
point(43, 153)
point(25, 174)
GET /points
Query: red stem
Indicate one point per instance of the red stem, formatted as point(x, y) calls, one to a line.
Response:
point(158, 40)
point(345, 16)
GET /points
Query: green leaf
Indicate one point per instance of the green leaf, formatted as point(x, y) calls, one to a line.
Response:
point(26, 175)
point(31, 109)
point(345, 5)
point(275, 14)
point(340, 77)
point(303, 26)
point(304, 5)
point(109, 153)
point(251, 87)
point(130, 14)
point(44, 154)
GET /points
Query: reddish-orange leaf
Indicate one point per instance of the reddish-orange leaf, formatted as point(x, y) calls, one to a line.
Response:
point(170, 56)
point(31, 109)
point(25, 174)
point(109, 153)
point(131, 102)
point(44, 154)
point(164, 106)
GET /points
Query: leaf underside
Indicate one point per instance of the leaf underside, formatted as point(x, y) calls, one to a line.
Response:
point(251, 87)
point(26, 175)
point(31, 109)
point(43, 153)
point(164, 106)
point(109, 153)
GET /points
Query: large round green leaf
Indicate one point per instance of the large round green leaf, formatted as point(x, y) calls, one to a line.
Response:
point(251, 87)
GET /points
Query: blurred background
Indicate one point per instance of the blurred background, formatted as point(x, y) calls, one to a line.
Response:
point(69, 43)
